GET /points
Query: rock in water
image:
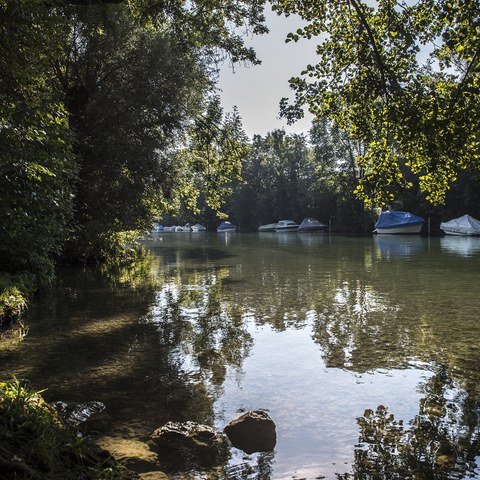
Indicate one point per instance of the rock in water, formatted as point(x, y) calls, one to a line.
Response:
point(188, 443)
point(187, 434)
point(254, 431)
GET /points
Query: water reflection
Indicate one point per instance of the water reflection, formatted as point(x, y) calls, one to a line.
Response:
point(438, 443)
point(399, 245)
point(315, 329)
point(459, 245)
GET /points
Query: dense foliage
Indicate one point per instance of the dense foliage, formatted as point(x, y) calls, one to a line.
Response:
point(109, 116)
point(36, 162)
point(290, 176)
point(401, 77)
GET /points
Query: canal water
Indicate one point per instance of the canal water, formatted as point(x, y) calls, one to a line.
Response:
point(364, 351)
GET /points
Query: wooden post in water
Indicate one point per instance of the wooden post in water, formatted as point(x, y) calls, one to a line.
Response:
point(330, 224)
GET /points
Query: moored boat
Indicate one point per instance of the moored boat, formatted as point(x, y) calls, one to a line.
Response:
point(157, 228)
point(394, 222)
point(269, 227)
point(464, 225)
point(226, 227)
point(310, 224)
point(286, 226)
point(198, 227)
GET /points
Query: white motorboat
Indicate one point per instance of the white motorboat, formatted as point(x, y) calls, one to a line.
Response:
point(157, 228)
point(269, 227)
point(286, 226)
point(198, 227)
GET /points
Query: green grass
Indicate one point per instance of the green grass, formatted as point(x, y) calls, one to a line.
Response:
point(35, 443)
point(14, 293)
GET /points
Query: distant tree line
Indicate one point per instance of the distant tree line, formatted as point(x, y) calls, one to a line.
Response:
point(110, 119)
point(291, 176)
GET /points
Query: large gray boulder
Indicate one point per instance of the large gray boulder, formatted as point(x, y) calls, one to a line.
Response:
point(254, 431)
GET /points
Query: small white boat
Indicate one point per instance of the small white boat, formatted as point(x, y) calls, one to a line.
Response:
point(311, 225)
point(157, 228)
point(269, 227)
point(198, 227)
point(286, 226)
point(395, 222)
point(178, 228)
point(464, 225)
point(226, 227)
point(187, 228)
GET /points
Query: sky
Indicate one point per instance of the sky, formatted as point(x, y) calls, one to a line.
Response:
point(256, 90)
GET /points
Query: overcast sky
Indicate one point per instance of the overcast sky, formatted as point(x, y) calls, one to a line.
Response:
point(257, 90)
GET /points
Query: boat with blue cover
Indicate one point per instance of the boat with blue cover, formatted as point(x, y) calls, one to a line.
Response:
point(394, 221)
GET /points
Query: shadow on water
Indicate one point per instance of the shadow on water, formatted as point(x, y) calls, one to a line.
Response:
point(364, 351)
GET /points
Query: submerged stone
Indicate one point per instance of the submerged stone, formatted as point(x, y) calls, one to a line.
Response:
point(134, 454)
point(254, 431)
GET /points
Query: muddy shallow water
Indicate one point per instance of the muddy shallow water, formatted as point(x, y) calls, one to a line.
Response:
point(364, 351)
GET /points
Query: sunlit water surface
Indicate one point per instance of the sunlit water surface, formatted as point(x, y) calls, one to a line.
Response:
point(320, 331)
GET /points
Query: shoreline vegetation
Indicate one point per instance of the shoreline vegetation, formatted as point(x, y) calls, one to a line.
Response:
point(15, 291)
point(36, 444)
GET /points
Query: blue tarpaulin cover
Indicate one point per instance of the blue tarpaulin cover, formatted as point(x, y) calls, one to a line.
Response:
point(394, 218)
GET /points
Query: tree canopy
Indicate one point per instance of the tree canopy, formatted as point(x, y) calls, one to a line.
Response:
point(98, 100)
point(401, 77)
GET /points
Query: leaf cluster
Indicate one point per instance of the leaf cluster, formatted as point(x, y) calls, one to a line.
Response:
point(98, 100)
point(403, 78)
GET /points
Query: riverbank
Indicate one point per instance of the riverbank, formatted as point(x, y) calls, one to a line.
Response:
point(36, 444)
point(15, 291)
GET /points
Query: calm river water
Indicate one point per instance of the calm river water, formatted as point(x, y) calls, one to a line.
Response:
point(364, 351)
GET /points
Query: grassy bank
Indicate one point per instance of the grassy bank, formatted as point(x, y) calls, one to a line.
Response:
point(36, 444)
point(14, 293)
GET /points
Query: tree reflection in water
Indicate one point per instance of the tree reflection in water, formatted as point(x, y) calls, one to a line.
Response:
point(362, 324)
point(177, 337)
point(441, 442)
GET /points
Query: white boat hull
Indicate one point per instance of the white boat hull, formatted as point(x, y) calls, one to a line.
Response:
point(400, 229)
point(286, 229)
point(462, 234)
point(269, 227)
point(286, 226)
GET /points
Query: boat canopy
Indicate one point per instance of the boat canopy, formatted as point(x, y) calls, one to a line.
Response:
point(464, 225)
point(226, 226)
point(394, 218)
point(311, 224)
